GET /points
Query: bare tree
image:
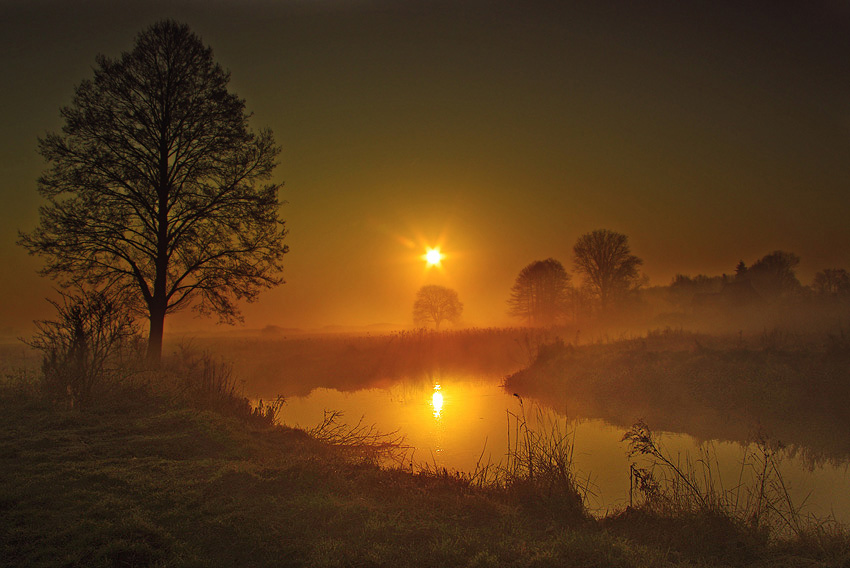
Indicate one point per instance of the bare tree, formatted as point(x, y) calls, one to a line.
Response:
point(435, 304)
point(604, 259)
point(540, 293)
point(157, 190)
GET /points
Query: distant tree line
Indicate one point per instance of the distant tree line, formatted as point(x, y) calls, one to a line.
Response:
point(771, 279)
point(609, 282)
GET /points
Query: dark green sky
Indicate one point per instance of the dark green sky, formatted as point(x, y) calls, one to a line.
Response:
point(708, 132)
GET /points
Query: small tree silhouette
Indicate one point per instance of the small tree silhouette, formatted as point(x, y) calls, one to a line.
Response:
point(435, 304)
point(540, 293)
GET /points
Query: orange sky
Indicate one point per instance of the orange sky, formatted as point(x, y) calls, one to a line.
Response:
point(708, 133)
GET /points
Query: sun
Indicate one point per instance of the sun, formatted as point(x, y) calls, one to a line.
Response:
point(433, 257)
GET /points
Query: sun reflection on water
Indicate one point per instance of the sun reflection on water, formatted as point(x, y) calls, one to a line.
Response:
point(437, 402)
point(454, 426)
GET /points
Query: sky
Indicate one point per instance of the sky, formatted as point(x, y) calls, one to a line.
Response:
point(708, 132)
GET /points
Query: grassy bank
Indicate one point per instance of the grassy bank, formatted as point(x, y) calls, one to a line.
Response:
point(788, 387)
point(143, 480)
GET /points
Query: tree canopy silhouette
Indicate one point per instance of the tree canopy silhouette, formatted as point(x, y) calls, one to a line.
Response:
point(610, 269)
point(774, 275)
point(539, 294)
point(157, 189)
point(435, 304)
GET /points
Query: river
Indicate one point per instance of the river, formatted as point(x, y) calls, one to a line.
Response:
point(463, 423)
point(443, 393)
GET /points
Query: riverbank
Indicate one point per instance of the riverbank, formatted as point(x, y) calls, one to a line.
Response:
point(783, 386)
point(142, 481)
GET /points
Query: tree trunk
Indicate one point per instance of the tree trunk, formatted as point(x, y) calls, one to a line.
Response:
point(158, 303)
point(157, 324)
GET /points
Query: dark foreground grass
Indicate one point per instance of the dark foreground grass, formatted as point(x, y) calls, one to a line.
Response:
point(142, 482)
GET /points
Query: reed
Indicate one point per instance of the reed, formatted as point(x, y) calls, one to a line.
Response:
point(539, 463)
point(759, 500)
point(537, 470)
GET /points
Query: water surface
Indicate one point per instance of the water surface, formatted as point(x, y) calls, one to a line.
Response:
point(461, 422)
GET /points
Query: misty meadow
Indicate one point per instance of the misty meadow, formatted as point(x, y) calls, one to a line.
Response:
point(547, 285)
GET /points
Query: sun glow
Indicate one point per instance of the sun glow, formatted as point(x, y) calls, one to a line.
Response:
point(433, 257)
point(437, 401)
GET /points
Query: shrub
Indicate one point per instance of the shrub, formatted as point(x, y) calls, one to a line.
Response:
point(85, 347)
